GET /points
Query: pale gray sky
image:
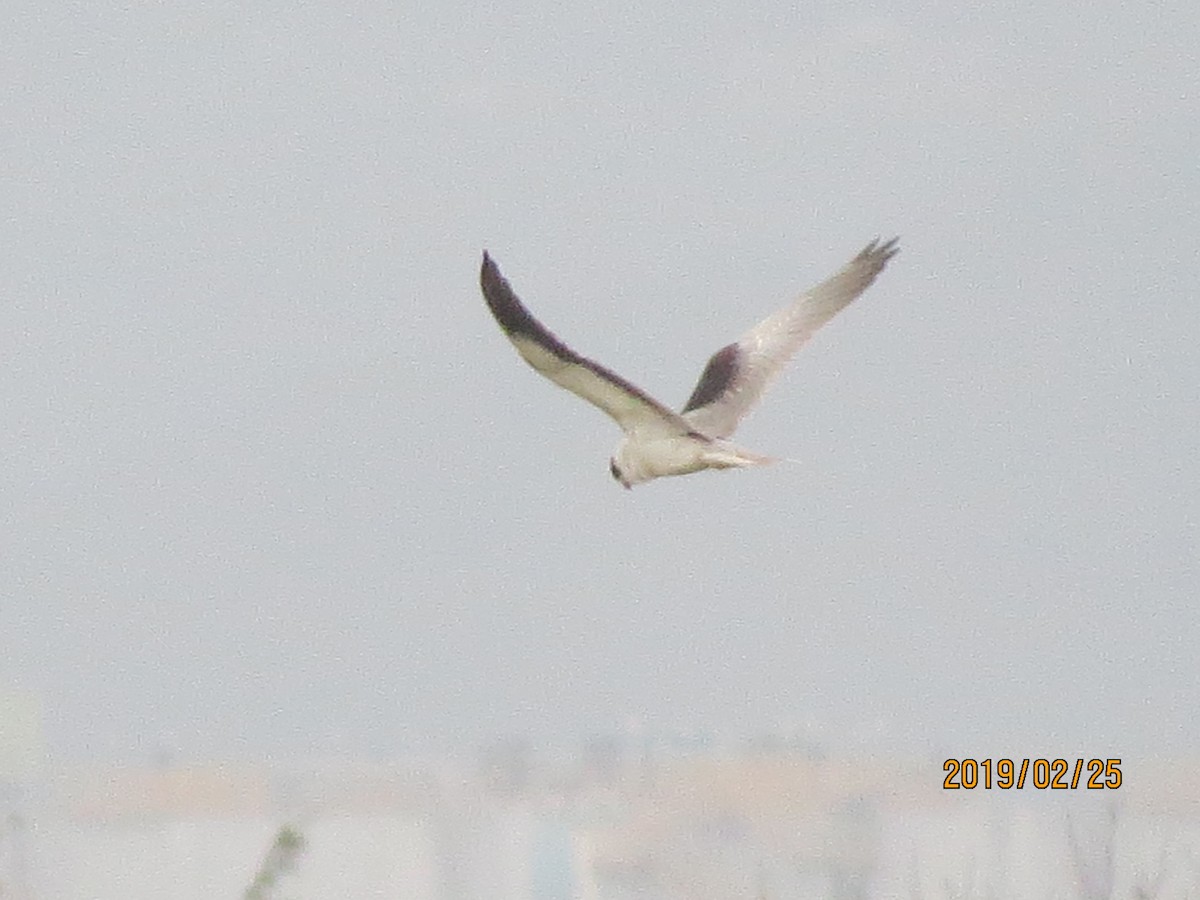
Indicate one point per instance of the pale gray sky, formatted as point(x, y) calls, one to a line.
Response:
point(272, 480)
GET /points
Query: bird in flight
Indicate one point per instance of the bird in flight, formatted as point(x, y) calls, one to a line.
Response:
point(659, 441)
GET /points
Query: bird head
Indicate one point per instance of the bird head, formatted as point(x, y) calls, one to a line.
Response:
point(618, 474)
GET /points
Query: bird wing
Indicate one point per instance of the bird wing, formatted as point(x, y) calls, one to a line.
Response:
point(737, 375)
point(631, 407)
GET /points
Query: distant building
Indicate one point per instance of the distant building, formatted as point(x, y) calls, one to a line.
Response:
point(22, 761)
point(22, 750)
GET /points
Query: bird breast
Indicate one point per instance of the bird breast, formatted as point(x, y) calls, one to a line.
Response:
point(641, 460)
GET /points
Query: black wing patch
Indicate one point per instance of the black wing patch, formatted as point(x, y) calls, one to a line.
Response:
point(718, 375)
point(512, 315)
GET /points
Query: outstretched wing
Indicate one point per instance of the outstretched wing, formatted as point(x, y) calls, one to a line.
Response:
point(737, 375)
point(631, 407)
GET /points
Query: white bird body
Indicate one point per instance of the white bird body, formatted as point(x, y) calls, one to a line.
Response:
point(658, 441)
point(638, 459)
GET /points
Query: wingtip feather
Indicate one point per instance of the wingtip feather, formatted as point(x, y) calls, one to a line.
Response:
point(883, 249)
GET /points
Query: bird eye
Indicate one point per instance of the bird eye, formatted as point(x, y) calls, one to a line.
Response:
point(612, 467)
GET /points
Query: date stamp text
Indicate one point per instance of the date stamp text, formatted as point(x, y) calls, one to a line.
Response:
point(1053, 774)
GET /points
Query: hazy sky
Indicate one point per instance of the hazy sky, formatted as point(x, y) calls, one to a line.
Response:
point(272, 481)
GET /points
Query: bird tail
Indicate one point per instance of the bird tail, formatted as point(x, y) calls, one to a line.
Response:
point(727, 456)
